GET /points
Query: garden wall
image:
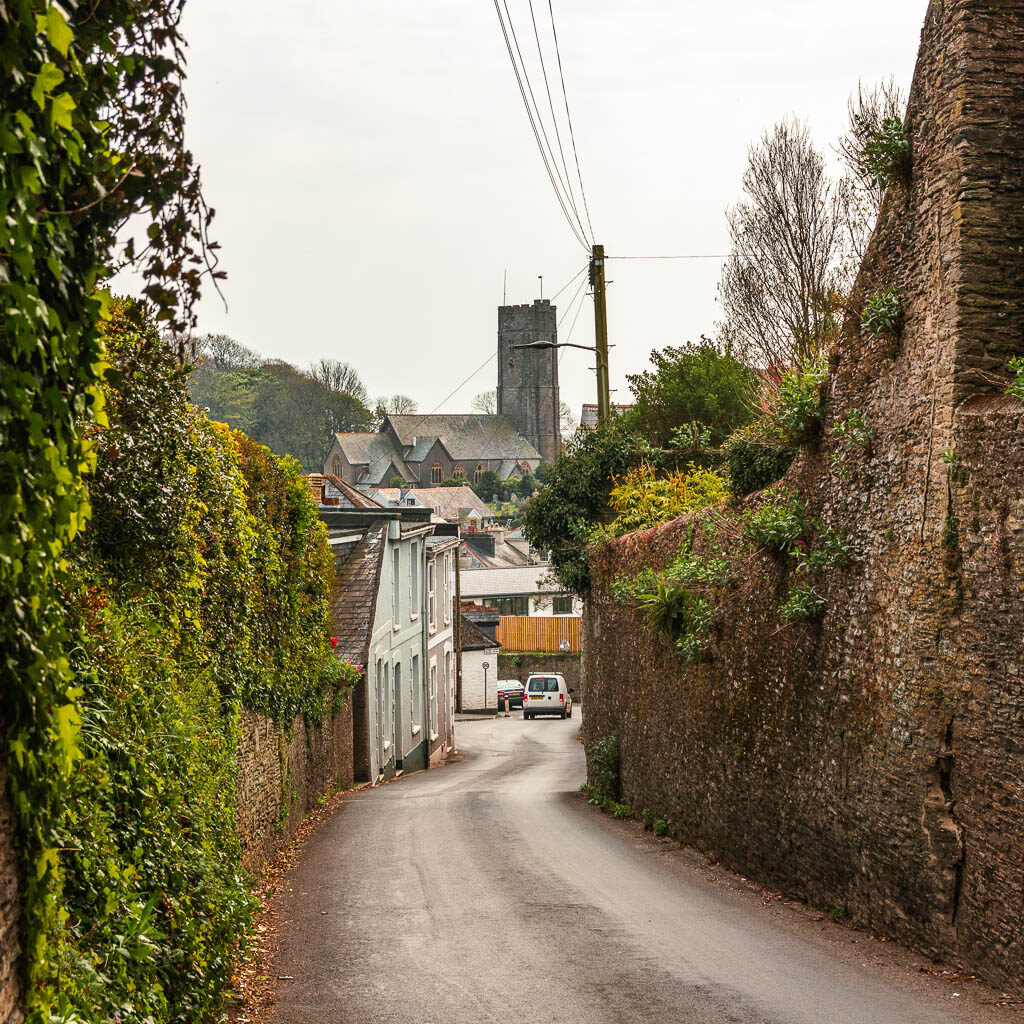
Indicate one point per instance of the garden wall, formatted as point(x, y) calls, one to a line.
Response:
point(519, 666)
point(10, 912)
point(874, 761)
point(280, 777)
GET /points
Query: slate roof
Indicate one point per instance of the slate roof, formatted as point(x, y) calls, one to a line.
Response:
point(362, 449)
point(513, 582)
point(385, 468)
point(354, 597)
point(467, 436)
point(446, 501)
point(421, 449)
point(473, 639)
point(356, 499)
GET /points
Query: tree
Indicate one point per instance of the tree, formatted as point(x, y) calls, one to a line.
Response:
point(868, 110)
point(339, 377)
point(225, 354)
point(488, 487)
point(779, 287)
point(486, 402)
point(693, 386)
point(562, 517)
point(566, 420)
point(392, 405)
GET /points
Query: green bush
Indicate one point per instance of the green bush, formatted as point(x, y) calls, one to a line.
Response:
point(603, 767)
point(647, 819)
point(801, 605)
point(797, 407)
point(883, 314)
point(200, 586)
point(621, 811)
point(757, 455)
point(777, 523)
point(1016, 385)
point(886, 153)
point(660, 827)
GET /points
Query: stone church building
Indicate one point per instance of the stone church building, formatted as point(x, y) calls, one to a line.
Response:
point(425, 449)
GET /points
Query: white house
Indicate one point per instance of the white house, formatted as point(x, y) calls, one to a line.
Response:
point(442, 563)
point(479, 667)
point(522, 590)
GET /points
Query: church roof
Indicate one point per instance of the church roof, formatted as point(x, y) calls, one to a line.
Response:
point(468, 436)
point(362, 449)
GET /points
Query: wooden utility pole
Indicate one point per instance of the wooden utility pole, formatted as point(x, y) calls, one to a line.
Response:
point(604, 407)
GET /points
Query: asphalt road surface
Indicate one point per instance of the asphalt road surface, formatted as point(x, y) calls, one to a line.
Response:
point(488, 891)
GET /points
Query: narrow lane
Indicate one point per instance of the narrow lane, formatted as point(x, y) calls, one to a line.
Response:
point(487, 891)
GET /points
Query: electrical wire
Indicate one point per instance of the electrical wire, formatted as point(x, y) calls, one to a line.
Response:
point(572, 326)
point(583, 270)
point(580, 237)
point(493, 355)
point(701, 256)
point(554, 122)
point(568, 117)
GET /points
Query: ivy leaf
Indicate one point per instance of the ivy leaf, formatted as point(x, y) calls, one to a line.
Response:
point(60, 111)
point(49, 77)
point(58, 32)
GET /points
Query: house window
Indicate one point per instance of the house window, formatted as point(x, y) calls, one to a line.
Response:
point(396, 575)
point(336, 466)
point(414, 581)
point(436, 473)
point(509, 605)
point(447, 588)
point(459, 473)
point(478, 472)
point(433, 697)
point(431, 597)
point(561, 606)
point(415, 692)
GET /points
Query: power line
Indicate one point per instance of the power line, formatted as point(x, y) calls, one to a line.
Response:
point(568, 117)
point(493, 355)
point(572, 327)
point(554, 122)
point(582, 270)
point(702, 256)
point(529, 113)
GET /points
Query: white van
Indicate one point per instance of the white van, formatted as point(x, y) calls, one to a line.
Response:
point(547, 694)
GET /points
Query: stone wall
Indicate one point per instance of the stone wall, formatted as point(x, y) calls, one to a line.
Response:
point(874, 761)
point(519, 666)
point(10, 913)
point(280, 777)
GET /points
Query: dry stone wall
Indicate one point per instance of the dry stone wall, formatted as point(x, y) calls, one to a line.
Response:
point(874, 762)
point(281, 775)
point(10, 913)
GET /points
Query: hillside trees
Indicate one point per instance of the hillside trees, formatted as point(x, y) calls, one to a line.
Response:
point(291, 411)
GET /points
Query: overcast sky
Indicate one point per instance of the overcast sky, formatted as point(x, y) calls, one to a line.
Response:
point(374, 173)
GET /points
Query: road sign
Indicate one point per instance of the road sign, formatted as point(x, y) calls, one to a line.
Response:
point(487, 664)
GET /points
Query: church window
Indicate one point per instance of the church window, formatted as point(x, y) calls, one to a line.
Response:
point(458, 472)
point(478, 472)
point(336, 466)
point(436, 473)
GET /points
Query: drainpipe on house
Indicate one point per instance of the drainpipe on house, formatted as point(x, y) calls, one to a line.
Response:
point(457, 622)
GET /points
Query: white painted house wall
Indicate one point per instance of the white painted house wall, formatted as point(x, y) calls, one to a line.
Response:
point(473, 679)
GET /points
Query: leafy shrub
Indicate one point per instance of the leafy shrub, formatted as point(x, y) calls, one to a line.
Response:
point(647, 819)
point(852, 432)
point(797, 408)
point(642, 497)
point(883, 314)
point(829, 550)
point(660, 827)
point(621, 811)
point(757, 455)
point(886, 153)
point(777, 523)
point(1016, 385)
point(603, 767)
point(801, 605)
point(202, 585)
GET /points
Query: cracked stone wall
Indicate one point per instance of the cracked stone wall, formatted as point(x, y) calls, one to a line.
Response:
point(874, 762)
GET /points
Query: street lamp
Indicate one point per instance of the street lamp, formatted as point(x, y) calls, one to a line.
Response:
point(603, 393)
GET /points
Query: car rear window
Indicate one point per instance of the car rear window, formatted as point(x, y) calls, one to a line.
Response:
point(542, 684)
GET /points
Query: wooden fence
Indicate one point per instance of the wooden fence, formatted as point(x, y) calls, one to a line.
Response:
point(539, 633)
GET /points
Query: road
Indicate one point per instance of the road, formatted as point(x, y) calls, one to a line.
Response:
point(488, 891)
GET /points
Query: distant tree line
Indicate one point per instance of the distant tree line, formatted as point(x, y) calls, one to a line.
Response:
point(292, 411)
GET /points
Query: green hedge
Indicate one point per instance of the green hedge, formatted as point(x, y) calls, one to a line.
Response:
point(757, 455)
point(200, 585)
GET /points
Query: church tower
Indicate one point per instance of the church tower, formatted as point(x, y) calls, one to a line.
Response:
point(528, 378)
